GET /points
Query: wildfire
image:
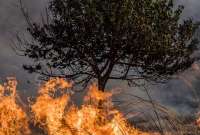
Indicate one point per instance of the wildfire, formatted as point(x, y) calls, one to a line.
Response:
point(13, 120)
point(54, 112)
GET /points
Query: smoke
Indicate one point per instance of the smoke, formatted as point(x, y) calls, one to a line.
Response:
point(12, 22)
point(191, 8)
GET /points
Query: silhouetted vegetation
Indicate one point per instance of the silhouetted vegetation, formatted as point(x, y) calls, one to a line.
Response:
point(130, 40)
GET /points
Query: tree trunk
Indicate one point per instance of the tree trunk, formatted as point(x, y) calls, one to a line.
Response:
point(102, 84)
point(101, 87)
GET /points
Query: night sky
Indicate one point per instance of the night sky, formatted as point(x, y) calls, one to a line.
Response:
point(12, 22)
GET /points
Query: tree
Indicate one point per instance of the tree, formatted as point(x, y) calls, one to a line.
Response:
point(84, 40)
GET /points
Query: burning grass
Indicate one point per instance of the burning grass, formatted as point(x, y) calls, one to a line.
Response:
point(54, 113)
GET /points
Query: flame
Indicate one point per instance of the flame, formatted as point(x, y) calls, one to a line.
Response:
point(55, 114)
point(13, 120)
point(58, 117)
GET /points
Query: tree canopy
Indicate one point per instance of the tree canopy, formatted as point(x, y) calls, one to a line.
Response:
point(84, 40)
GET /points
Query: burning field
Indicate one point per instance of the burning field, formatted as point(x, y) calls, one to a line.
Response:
point(54, 113)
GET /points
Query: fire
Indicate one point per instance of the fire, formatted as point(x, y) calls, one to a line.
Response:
point(13, 120)
point(54, 112)
point(58, 117)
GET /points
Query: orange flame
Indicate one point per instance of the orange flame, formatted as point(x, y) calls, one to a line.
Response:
point(54, 113)
point(59, 118)
point(13, 119)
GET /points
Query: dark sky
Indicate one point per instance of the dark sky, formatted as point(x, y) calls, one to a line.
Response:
point(12, 21)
